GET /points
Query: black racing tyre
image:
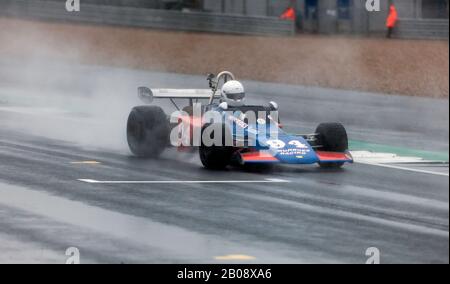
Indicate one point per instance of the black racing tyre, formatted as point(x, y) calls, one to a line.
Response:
point(333, 138)
point(148, 131)
point(216, 157)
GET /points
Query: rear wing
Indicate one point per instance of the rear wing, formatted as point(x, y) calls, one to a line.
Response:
point(147, 95)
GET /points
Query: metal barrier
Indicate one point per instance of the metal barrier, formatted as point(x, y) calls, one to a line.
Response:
point(422, 28)
point(148, 18)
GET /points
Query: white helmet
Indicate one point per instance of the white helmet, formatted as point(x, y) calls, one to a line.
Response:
point(233, 93)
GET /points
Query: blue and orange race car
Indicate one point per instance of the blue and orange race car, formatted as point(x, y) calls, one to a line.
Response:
point(226, 135)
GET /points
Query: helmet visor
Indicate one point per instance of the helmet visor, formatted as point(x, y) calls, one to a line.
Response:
point(236, 97)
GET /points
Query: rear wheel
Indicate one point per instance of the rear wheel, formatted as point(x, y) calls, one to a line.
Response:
point(333, 138)
point(215, 157)
point(147, 131)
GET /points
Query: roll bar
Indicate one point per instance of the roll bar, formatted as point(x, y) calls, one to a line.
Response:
point(214, 84)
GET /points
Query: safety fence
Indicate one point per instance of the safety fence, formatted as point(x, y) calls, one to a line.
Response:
point(422, 28)
point(148, 18)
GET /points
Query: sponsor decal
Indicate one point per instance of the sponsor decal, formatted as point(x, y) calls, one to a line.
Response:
point(238, 122)
point(293, 152)
point(277, 144)
point(298, 144)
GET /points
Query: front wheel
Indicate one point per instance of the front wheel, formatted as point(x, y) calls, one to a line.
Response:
point(332, 137)
point(216, 156)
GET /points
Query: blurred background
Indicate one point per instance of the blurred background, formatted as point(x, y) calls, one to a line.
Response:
point(325, 43)
point(419, 18)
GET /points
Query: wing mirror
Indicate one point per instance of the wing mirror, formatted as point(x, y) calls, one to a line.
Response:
point(210, 79)
point(145, 94)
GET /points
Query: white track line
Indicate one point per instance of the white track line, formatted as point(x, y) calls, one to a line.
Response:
point(405, 169)
point(129, 229)
point(383, 158)
point(268, 180)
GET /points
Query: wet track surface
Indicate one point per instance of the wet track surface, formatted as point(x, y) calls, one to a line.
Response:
point(172, 210)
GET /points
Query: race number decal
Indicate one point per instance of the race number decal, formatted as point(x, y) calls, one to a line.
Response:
point(298, 144)
point(277, 144)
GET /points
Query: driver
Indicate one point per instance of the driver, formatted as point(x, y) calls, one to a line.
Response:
point(233, 93)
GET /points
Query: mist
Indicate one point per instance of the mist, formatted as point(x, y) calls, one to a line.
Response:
point(77, 84)
point(52, 91)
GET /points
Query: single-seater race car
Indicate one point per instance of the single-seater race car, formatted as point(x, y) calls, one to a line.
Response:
point(226, 131)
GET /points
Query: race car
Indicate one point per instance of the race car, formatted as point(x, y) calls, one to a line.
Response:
point(226, 131)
